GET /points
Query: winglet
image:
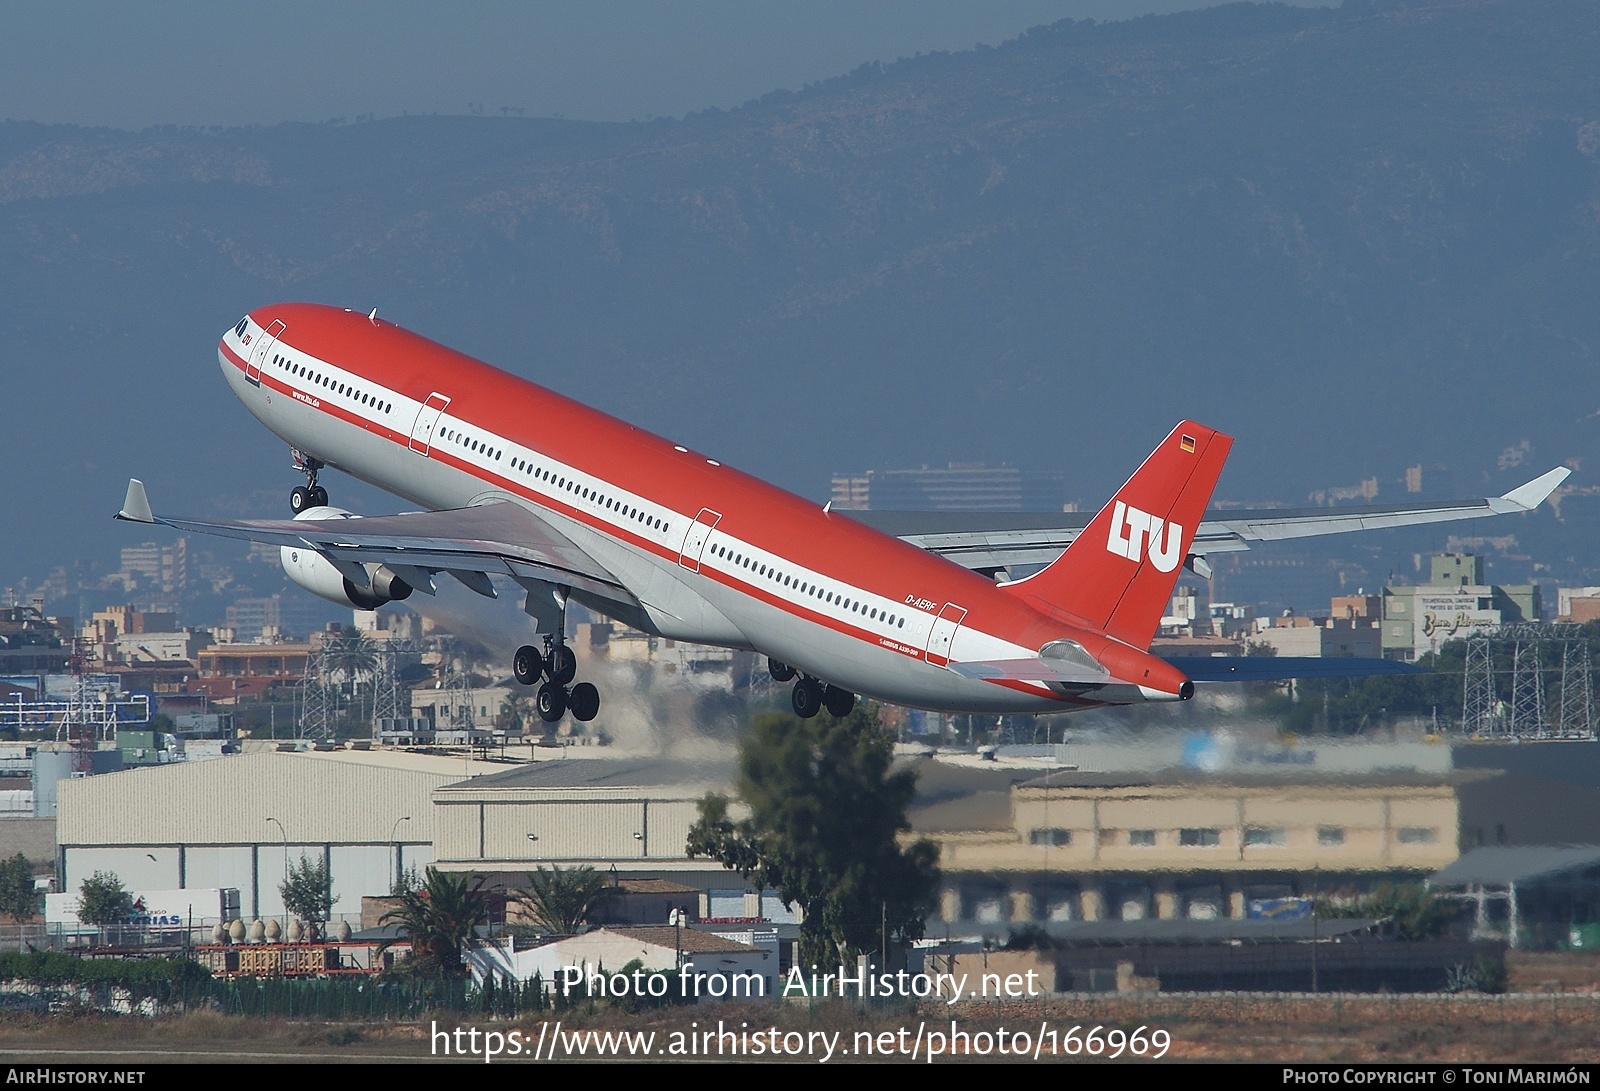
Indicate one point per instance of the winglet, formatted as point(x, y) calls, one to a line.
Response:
point(1529, 496)
point(136, 505)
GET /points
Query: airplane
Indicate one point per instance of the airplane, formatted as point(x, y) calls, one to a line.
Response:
point(520, 483)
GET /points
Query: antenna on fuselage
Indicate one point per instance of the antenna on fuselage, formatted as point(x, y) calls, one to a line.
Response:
point(373, 317)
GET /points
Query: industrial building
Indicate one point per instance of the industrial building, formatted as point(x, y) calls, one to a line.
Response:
point(629, 818)
point(715, 964)
point(1203, 830)
point(1166, 826)
point(242, 822)
point(959, 486)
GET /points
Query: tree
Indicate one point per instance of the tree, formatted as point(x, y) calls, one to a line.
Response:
point(405, 882)
point(563, 900)
point(18, 898)
point(102, 901)
point(308, 891)
point(825, 819)
point(517, 711)
point(438, 919)
point(1416, 912)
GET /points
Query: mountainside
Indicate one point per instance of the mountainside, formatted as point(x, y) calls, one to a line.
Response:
point(1357, 239)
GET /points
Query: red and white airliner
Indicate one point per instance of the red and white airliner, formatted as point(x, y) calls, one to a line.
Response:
point(523, 484)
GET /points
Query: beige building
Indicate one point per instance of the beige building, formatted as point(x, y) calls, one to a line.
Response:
point(1181, 843)
point(1328, 636)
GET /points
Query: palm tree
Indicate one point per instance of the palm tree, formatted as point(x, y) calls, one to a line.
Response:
point(356, 657)
point(563, 900)
point(439, 920)
point(516, 712)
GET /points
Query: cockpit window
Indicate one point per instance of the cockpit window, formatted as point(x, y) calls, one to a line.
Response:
point(244, 324)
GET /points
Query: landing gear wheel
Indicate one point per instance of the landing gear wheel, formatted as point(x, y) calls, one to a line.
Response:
point(551, 701)
point(781, 672)
point(584, 701)
point(300, 499)
point(838, 702)
point(806, 698)
point(563, 665)
point(319, 497)
point(527, 665)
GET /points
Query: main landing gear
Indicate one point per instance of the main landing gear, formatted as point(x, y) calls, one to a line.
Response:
point(810, 695)
point(557, 696)
point(311, 495)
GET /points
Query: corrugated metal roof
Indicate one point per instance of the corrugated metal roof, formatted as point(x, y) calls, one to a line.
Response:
point(604, 773)
point(1191, 778)
point(1498, 865)
point(411, 760)
point(228, 802)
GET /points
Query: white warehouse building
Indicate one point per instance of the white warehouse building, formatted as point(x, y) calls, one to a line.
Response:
point(240, 822)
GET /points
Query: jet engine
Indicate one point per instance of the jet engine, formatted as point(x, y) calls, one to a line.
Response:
point(312, 571)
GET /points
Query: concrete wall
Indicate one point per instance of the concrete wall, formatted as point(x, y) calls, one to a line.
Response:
point(35, 838)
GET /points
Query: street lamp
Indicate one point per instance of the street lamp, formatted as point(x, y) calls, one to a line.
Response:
point(677, 939)
point(285, 834)
point(394, 877)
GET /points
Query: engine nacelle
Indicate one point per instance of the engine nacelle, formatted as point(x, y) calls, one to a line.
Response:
point(310, 570)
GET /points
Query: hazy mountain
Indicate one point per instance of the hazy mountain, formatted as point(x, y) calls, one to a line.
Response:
point(1359, 239)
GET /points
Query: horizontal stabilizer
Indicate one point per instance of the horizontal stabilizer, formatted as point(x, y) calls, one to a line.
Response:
point(1031, 670)
point(1278, 668)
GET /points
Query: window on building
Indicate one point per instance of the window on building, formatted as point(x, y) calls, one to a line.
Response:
point(1145, 838)
point(1266, 835)
point(1200, 838)
point(1417, 835)
point(1330, 835)
point(1051, 836)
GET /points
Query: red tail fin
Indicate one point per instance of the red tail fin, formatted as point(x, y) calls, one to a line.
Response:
point(1118, 575)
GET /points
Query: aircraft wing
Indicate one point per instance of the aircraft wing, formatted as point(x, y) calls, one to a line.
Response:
point(991, 541)
point(499, 538)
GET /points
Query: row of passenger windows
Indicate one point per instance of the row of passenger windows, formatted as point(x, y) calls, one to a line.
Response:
point(476, 446)
point(609, 503)
point(594, 496)
point(344, 389)
point(829, 597)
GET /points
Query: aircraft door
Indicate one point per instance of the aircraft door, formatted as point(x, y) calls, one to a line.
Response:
point(694, 542)
point(258, 355)
point(944, 634)
point(427, 417)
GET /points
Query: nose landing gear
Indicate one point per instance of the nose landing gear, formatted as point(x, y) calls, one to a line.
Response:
point(311, 495)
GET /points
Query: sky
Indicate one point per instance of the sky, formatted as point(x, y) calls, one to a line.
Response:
point(229, 63)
